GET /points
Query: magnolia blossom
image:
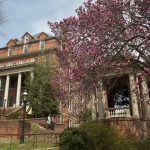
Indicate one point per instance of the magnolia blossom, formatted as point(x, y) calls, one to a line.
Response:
point(104, 37)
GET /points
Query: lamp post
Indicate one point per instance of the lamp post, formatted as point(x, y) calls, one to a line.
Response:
point(25, 94)
point(4, 105)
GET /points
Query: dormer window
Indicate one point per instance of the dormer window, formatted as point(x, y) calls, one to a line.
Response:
point(10, 51)
point(42, 45)
point(25, 48)
point(26, 38)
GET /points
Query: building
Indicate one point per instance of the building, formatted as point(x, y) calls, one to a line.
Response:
point(124, 96)
point(16, 62)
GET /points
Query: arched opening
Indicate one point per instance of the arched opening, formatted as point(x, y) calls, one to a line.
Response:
point(119, 97)
point(118, 92)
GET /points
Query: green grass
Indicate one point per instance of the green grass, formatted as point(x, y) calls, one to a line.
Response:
point(8, 144)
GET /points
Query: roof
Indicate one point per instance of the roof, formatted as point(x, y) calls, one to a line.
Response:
point(34, 37)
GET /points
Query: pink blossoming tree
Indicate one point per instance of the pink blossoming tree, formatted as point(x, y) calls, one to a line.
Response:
point(104, 36)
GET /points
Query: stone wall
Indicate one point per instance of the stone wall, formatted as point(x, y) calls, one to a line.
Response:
point(135, 127)
point(13, 127)
point(59, 127)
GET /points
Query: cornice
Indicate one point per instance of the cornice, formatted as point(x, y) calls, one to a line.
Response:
point(17, 66)
point(30, 42)
point(29, 54)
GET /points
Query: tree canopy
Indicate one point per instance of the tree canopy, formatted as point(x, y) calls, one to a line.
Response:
point(104, 35)
point(41, 94)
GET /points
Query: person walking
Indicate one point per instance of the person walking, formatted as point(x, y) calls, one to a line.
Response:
point(49, 121)
point(53, 123)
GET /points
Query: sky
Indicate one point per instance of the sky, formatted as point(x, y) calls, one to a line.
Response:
point(32, 16)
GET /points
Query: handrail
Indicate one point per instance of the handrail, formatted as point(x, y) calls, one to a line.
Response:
point(118, 112)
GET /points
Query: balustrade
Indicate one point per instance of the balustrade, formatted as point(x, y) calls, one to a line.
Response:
point(118, 112)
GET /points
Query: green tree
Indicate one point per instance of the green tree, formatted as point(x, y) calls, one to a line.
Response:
point(41, 94)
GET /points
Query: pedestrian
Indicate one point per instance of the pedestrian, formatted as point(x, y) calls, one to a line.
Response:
point(49, 120)
point(53, 123)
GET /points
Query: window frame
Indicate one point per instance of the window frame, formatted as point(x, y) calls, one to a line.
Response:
point(70, 105)
point(25, 48)
point(26, 39)
point(42, 42)
point(10, 51)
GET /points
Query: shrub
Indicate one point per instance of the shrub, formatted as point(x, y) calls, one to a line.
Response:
point(144, 144)
point(14, 115)
point(73, 139)
point(93, 136)
point(100, 136)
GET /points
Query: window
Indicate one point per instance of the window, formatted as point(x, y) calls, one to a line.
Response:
point(59, 119)
point(42, 45)
point(1, 102)
point(70, 105)
point(12, 83)
point(10, 51)
point(70, 123)
point(10, 101)
point(2, 84)
point(25, 48)
point(26, 39)
point(46, 60)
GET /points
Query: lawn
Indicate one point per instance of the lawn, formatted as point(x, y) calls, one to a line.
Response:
point(8, 144)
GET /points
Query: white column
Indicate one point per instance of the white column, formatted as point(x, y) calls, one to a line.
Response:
point(145, 95)
point(100, 100)
point(134, 102)
point(93, 106)
point(6, 89)
point(18, 90)
point(105, 98)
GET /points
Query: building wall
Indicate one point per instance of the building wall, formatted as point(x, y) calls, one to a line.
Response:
point(136, 127)
point(13, 127)
point(20, 62)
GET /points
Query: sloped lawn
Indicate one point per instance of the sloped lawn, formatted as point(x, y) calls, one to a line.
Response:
point(13, 144)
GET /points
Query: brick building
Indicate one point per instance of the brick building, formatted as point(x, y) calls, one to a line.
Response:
point(16, 62)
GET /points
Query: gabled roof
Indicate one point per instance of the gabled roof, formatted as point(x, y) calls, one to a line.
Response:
point(27, 33)
point(12, 40)
point(38, 34)
point(34, 38)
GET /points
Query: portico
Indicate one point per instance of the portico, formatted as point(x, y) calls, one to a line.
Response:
point(12, 84)
point(122, 97)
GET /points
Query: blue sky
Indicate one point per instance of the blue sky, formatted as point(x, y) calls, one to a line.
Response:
point(32, 15)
